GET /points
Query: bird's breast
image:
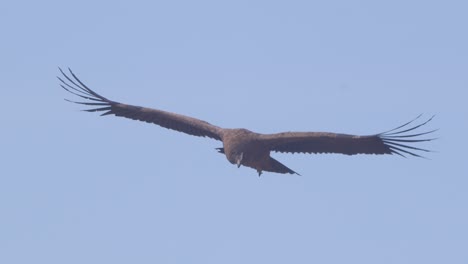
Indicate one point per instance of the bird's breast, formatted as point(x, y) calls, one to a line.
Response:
point(245, 142)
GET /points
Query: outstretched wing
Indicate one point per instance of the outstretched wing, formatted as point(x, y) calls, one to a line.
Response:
point(396, 141)
point(181, 123)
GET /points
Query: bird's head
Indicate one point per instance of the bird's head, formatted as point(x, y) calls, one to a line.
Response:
point(232, 156)
point(220, 150)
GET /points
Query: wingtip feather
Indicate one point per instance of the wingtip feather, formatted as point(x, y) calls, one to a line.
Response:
point(400, 143)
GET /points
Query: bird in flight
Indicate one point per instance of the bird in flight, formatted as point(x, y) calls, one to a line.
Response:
point(244, 147)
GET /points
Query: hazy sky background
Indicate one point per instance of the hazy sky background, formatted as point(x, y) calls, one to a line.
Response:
point(79, 188)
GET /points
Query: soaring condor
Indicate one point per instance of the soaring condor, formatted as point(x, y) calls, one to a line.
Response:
point(244, 147)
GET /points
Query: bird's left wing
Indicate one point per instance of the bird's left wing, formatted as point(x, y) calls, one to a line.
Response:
point(181, 123)
point(396, 141)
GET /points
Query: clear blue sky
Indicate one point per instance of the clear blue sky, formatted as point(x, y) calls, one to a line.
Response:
point(79, 188)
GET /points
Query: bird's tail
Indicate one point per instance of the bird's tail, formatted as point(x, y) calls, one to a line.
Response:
point(272, 165)
point(276, 166)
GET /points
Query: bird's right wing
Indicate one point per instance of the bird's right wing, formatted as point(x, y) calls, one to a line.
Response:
point(396, 141)
point(181, 123)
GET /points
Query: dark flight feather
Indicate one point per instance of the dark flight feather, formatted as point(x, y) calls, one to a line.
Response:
point(389, 142)
point(181, 123)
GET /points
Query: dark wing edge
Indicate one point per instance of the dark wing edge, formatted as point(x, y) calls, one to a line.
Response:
point(397, 141)
point(181, 123)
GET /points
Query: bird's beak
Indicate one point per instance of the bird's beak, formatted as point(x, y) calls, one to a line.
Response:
point(239, 160)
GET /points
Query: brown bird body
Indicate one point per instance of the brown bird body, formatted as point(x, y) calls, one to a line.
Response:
point(244, 147)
